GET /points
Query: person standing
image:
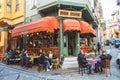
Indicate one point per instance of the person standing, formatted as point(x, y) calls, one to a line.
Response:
point(99, 46)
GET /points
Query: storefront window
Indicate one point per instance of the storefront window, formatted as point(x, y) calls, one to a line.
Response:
point(40, 39)
point(9, 5)
point(83, 42)
point(56, 40)
point(17, 5)
point(65, 44)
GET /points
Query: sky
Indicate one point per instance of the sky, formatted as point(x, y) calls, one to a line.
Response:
point(108, 7)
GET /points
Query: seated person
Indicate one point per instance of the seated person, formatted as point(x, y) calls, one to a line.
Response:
point(43, 59)
point(103, 57)
point(24, 58)
point(82, 60)
point(52, 57)
point(98, 64)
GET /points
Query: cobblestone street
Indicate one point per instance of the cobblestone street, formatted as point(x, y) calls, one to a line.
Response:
point(13, 72)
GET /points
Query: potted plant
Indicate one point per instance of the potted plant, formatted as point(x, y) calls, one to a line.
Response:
point(62, 59)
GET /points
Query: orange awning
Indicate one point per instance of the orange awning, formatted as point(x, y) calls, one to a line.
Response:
point(71, 25)
point(53, 21)
point(44, 24)
point(86, 28)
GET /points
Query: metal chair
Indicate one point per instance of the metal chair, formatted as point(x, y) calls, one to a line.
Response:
point(82, 68)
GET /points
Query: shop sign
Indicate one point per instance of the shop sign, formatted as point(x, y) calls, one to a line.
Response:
point(67, 13)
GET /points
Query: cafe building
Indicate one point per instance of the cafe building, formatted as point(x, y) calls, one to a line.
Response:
point(61, 29)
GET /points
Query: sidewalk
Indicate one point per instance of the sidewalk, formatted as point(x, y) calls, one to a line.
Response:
point(66, 74)
point(61, 74)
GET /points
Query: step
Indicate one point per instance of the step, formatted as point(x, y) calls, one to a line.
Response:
point(70, 62)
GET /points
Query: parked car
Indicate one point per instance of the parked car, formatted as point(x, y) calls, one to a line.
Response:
point(118, 60)
point(110, 41)
point(117, 43)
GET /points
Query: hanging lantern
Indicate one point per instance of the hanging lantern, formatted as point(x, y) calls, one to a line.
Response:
point(37, 33)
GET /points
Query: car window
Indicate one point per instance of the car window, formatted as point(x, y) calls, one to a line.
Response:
point(117, 41)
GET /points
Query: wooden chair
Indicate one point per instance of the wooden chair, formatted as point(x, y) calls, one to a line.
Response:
point(56, 65)
point(107, 67)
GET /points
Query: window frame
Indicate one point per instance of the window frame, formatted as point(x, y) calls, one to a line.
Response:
point(33, 4)
point(1, 5)
point(17, 5)
point(9, 5)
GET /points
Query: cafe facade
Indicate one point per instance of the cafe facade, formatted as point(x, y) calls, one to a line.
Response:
point(58, 30)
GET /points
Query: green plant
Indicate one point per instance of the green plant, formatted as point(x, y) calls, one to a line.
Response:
point(63, 56)
point(62, 59)
point(47, 53)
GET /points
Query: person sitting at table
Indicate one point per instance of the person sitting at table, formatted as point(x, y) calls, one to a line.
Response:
point(103, 57)
point(82, 60)
point(43, 59)
point(98, 64)
point(24, 56)
point(50, 57)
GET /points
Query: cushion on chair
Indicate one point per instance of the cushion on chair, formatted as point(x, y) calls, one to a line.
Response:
point(41, 65)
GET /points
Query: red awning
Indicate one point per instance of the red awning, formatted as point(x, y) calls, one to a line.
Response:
point(44, 24)
point(53, 21)
point(86, 28)
point(71, 25)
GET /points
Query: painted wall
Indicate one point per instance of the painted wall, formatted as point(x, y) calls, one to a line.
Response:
point(3, 42)
point(14, 17)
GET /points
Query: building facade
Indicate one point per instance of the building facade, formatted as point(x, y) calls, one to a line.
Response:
point(38, 9)
point(11, 13)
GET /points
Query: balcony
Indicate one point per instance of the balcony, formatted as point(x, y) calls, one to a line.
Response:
point(11, 14)
point(48, 6)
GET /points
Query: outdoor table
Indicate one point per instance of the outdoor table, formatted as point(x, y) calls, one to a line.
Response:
point(92, 61)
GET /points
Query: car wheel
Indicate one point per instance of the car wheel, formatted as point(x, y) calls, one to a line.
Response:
point(118, 61)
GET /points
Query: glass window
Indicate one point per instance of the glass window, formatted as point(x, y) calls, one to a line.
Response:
point(17, 5)
point(33, 4)
point(9, 5)
point(0, 5)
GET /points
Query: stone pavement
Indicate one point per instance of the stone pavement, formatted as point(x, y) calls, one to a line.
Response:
point(12, 72)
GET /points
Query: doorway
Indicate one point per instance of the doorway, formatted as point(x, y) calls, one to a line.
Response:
point(71, 44)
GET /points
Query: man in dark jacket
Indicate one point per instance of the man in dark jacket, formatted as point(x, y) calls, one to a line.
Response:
point(82, 61)
point(103, 58)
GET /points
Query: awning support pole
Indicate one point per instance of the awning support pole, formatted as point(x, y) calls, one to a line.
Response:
point(61, 38)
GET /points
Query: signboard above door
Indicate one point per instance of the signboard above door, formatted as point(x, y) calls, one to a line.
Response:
point(68, 13)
